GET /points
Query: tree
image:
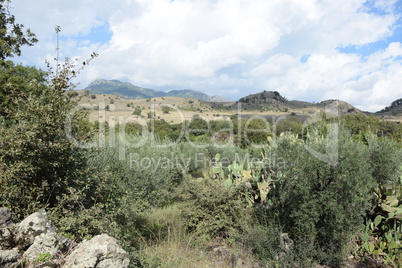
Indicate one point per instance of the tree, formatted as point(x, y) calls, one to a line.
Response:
point(15, 79)
point(38, 163)
point(12, 35)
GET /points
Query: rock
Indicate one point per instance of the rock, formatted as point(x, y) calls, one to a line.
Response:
point(8, 257)
point(35, 243)
point(5, 217)
point(33, 226)
point(102, 251)
point(228, 256)
point(46, 248)
point(286, 243)
point(6, 238)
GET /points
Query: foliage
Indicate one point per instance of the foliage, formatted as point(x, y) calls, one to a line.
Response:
point(251, 132)
point(252, 180)
point(383, 231)
point(37, 160)
point(292, 124)
point(137, 111)
point(12, 35)
point(360, 125)
point(212, 210)
point(166, 109)
point(16, 80)
point(320, 205)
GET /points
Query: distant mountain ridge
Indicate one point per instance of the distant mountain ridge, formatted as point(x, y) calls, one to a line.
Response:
point(273, 99)
point(258, 101)
point(130, 91)
point(394, 109)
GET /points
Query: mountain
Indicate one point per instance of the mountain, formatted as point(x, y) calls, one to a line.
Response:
point(272, 100)
point(130, 91)
point(394, 109)
point(343, 107)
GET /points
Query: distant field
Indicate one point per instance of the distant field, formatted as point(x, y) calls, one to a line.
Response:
point(181, 109)
point(120, 109)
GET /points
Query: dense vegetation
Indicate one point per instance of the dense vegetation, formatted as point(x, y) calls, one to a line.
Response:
point(289, 194)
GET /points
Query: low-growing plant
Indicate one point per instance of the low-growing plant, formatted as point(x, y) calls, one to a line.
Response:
point(213, 211)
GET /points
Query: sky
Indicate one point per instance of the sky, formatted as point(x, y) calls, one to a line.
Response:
point(310, 50)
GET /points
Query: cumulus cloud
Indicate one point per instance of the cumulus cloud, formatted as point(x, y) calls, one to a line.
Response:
point(230, 47)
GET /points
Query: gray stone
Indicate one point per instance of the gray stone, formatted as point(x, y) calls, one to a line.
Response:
point(102, 251)
point(49, 243)
point(6, 238)
point(33, 226)
point(286, 243)
point(9, 256)
point(5, 217)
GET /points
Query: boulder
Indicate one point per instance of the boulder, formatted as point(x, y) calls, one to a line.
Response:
point(33, 226)
point(5, 217)
point(6, 238)
point(102, 251)
point(9, 257)
point(46, 249)
point(35, 243)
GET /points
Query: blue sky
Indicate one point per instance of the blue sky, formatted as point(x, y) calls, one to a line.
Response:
point(308, 50)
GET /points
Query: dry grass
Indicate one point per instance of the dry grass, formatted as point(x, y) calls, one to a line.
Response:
point(182, 109)
point(177, 250)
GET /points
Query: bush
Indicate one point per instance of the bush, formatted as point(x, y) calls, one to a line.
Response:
point(38, 162)
point(213, 211)
point(320, 205)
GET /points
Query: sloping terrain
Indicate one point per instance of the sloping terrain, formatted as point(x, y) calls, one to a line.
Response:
point(130, 91)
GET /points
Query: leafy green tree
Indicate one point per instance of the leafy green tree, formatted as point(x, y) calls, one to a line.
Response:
point(38, 161)
point(12, 35)
point(320, 206)
point(16, 79)
point(166, 109)
point(137, 111)
point(292, 124)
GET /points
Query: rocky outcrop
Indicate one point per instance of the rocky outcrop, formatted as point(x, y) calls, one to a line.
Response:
point(102, 251)
point(34, 242)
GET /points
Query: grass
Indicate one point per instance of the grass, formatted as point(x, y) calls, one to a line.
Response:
point(187, 108)
point(174, 247)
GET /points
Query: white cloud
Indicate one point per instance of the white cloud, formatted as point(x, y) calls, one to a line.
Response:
point(229, 47)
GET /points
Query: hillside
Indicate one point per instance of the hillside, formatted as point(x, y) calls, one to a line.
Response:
point(130, 91)
point(395, 109)
point(118, 88)
point(273, 101)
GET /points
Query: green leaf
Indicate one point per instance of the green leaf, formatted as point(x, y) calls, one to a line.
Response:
point(366, 246)
point(388, 208)
point(246, 174)
point(216, 170)
point(388, 236)
point(263, 195)
point(228, 183)
point(217, 157)
point(377, 220)
point(365, 237)
point(394, 244)
point(371, 248)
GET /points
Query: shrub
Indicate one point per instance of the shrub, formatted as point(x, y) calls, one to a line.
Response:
point(72, 94)
point(320, 205)
point(38, 162)
point(213, 211)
